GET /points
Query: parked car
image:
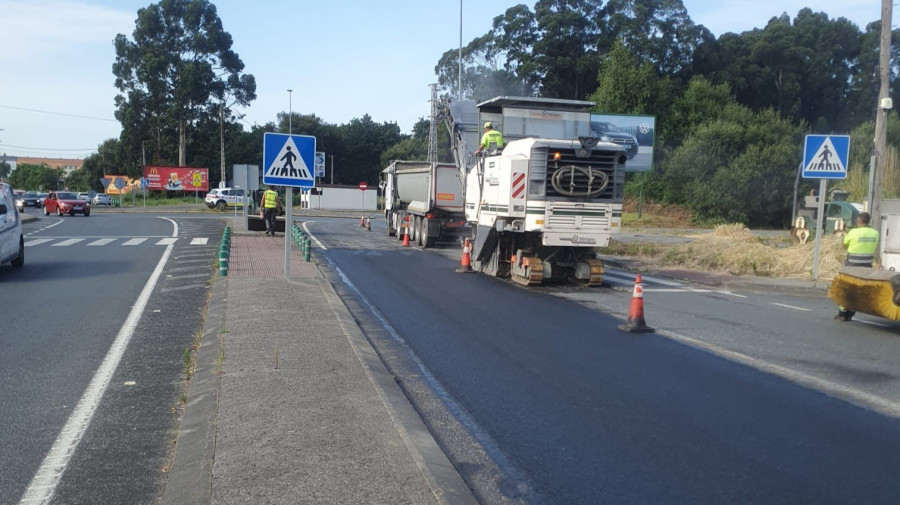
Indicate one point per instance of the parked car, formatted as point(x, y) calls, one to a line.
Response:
point(19, 199)
point(84, 195)
point(30, 199)
point(220, 198)
point(41, 198)
point(66, 202)
point(609, 132)
point(12, 241)
point(101, 199)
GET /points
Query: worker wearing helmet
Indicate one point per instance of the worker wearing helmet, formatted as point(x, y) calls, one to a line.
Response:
point(490, 135)
point(860, 243)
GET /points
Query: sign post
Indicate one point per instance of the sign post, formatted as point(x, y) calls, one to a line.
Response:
point(362, 187)
point(289, 160)
point(824, 157)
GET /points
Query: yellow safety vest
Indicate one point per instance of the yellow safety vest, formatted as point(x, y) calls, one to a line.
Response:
point(271, 199)
point(861, 243)
point(492, 136)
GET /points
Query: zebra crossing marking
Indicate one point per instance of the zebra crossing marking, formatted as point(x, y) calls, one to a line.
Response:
point(68, 242)
point(134, 241)
point(102, 241)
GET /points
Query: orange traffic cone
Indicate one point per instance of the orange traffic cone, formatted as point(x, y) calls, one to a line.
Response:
point(362, 221)
point(405, 235)
point(368, 225)
point(636, 323)
point(466, 262)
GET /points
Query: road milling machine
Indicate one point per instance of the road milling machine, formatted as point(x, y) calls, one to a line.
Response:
point(540, 204)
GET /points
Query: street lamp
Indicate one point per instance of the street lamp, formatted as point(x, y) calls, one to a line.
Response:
point(290, 113)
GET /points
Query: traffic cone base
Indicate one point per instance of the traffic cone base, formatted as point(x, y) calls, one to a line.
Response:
point(362, 221)
point(368, 225)
point(466, 261)
point(635, 322)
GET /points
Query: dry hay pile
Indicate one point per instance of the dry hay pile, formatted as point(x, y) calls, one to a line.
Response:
point(735, 250)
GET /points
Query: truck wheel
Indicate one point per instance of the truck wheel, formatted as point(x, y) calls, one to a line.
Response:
point(426, 240)
point(414, 229)
point(389, 224)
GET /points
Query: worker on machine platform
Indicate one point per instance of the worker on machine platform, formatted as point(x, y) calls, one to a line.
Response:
point(490, 135)
point(861, 243)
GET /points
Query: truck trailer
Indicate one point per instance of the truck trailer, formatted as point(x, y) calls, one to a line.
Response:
point(423, 199)
point(540, 205)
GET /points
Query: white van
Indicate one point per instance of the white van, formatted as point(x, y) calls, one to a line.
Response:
point(12, 243)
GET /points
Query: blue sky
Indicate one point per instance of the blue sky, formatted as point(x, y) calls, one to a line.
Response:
point(341, 58)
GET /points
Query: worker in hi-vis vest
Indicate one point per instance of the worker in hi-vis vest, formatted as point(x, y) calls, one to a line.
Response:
point(860, 243)
point(268, 207)
point(490, 135)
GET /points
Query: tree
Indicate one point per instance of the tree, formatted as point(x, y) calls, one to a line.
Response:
point(565, 55)
point(179, 66)
point(5, 169)
point(108, 160)
point(737, 168)
point(627, 85)
point(34, 177)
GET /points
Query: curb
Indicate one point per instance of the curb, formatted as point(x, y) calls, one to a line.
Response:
point(448, 486)
point(190, 477)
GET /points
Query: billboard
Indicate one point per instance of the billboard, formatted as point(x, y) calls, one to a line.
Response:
point(177, 178)
point(636, 134)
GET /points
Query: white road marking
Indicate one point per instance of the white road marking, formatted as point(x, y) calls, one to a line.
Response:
point(872, 323)
point(37, 241)
point(102, 241)
point(68, 242)
point(877, 403)
point(321, 246)
point(167, 241)
point(134, 241)
point(790, 307)
point(729, 293)
point(43, 484)
point(199, 240)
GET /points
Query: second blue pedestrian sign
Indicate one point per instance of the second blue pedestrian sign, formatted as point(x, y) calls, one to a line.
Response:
point(826, 156)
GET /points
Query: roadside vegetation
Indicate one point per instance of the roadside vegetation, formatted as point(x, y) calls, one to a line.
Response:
point(724, 248)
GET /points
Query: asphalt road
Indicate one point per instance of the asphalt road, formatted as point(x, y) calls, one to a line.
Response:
point(62, 313)
point(571, 410)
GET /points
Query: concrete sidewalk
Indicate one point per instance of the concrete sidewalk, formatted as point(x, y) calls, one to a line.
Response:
point(290, 404)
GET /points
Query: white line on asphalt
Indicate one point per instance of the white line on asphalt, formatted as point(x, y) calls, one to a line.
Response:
point(134, 241)
point(65, 243)
point(729, 293)
point(321, 246)
point(102, 241)
point(167, 241)
point(199, 240)
point(873, 323)
point(790, 307)
point(44, 482)
point(44, 228)
point(37, 241)
point(850, 394)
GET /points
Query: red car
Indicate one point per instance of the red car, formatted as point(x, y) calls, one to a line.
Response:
point(66, 202)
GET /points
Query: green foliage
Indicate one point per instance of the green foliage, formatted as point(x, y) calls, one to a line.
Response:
point(178, 70)
point(34, 177)
point(738, 168)
point(5, 169)
point(627, 85)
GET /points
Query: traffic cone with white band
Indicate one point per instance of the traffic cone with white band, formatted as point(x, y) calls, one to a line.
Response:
point(636, 323)
point(466, 261)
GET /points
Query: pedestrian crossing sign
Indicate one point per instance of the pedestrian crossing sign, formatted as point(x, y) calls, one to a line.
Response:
point(825, 156)
point(289, 160)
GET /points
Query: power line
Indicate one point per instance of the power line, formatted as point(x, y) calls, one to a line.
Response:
point(44, 148)
point(57, 113)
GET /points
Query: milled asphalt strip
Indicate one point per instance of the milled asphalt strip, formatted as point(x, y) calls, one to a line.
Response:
point(443, 479)
point(190, 478)
point(43, 484)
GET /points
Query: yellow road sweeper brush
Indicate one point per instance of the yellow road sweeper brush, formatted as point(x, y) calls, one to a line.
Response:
point(875, 292)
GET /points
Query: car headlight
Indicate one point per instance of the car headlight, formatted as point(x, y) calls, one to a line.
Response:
point(606, 138)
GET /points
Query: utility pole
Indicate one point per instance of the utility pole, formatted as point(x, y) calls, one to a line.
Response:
point(222, 142)
point(332, 169)
point(459, 68)
point(432, 130)
point(884, 105)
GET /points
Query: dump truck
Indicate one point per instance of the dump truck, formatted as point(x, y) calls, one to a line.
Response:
point(424, 199)
point(540, 205)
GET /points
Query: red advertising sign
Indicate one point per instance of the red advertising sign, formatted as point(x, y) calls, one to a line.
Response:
point(177, 178)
